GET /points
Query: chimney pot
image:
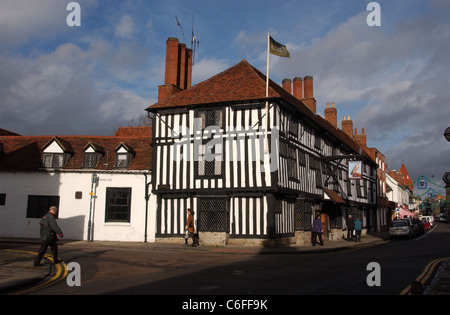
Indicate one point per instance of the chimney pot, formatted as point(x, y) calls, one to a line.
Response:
point(331, 114)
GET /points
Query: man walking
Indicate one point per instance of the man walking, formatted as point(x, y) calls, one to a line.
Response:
point(317, 231)
point(358, 228)
point(48, 232)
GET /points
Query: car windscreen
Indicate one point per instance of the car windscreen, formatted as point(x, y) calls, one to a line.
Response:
point(398, 223)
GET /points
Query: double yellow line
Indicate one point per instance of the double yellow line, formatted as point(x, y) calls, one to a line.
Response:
point(59, 274)
point(425, 275)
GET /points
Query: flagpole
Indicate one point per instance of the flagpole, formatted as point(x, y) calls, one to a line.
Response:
point(267, 96)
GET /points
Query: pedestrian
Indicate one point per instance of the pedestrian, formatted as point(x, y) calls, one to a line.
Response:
point(189, 228)
point(358, 228)
point(49, 230)
point(350, 227)
point(317, 231)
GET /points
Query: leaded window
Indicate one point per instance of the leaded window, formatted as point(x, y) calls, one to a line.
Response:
point(213, 215)
point(118, 204)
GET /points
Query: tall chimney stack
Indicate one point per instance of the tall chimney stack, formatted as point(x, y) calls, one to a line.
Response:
point(178, 70)
point(347, 126)
point(308, 97)
point(298, 87)
point(331, 114)
point(361, 139)
point(287, 83)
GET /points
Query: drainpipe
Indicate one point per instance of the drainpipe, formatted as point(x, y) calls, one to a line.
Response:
point(94, 181)
point(147, 198)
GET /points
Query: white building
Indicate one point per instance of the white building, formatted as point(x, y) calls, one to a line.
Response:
point(99, 185)
point(396, 192)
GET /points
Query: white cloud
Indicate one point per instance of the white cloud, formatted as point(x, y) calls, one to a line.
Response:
point(208, 67)
point(126, 28)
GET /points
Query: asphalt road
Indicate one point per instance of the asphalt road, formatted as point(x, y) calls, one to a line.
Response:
point(109, 270)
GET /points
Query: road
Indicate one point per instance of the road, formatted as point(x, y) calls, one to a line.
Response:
point(112, 270)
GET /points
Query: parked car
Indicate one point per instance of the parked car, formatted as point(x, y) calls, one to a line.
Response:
point(414, 223)
point(442, 218)
point(420, 226)
point(401, 228)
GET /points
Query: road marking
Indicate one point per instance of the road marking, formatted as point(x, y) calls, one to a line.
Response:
point(59, 274)
point(425, 275)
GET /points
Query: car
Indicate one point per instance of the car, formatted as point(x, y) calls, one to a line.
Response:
point(401, 228)
point(414, 223)
point(442, 218)
point(420, 226)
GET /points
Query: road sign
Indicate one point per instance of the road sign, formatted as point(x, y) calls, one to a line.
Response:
point(446, 178)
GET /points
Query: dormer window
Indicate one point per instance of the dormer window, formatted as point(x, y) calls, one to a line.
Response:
point(92, 155)
point(56, 153)
point(122, 160)
point(53, 160)
point(124, 155)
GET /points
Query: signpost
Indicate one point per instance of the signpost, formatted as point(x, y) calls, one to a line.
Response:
point(446, 178)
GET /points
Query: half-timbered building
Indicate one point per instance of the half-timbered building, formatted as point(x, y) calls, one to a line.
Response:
point(254, 169)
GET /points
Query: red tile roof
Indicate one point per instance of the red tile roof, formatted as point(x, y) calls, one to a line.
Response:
point(24, 153)
point(238, 83)
point(242, 83)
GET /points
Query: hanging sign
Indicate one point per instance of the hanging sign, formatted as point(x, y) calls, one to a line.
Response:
point(422, 182)
point(354, 169)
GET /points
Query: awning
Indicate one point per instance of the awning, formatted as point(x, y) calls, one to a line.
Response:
point(403, 213)
point(334, 196)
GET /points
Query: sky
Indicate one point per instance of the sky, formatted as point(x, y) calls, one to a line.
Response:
point(391, 79)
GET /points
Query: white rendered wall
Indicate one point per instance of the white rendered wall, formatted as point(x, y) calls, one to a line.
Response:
point(74, 213)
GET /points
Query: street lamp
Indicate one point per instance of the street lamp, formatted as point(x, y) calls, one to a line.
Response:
point(447, 134)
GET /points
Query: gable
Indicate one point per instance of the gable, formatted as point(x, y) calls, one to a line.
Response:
point(53, 147)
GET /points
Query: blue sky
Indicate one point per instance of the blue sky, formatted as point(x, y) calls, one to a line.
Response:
point(392, 79)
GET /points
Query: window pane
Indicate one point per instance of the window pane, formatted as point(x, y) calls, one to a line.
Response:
point(58, 160)
point(118, 204)
point(89, 160)
point(122, 160)
point(38, 206)
point(48, 160)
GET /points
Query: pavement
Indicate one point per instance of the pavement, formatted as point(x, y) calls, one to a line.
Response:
point(17, 272)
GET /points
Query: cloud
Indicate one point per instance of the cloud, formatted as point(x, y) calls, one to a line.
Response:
point(125, 28)
point(207, 67)
point(58, 93)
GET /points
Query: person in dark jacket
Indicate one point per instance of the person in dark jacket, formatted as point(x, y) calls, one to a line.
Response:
point(358, 228)
point(48, 233)
point(317, 231)
point(350, 227)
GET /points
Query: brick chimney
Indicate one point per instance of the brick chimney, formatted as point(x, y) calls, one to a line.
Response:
point(347, 126)
point(287, 84)
point(331, 114)
point(298, 87)
point(361, 139)
point(178, 71)
point(308, 91)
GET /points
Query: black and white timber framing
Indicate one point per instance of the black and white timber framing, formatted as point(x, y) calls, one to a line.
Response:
point(238, 189)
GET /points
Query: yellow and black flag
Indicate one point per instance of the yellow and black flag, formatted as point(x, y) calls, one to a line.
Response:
point(277, 49)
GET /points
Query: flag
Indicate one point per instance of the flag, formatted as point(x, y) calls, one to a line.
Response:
point(277, 49)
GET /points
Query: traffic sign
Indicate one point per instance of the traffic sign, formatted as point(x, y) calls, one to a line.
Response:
point(446, 178)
